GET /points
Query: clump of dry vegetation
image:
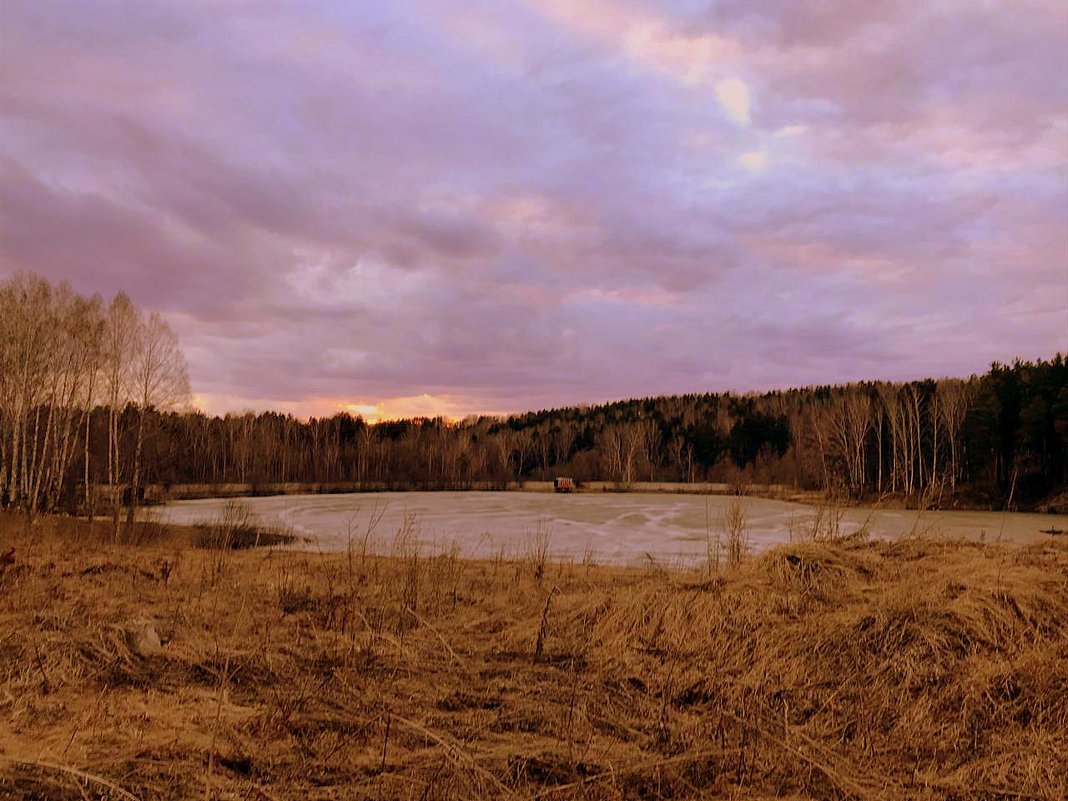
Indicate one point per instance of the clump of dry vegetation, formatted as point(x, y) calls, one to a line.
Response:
point(838, 669)
point(238, 528)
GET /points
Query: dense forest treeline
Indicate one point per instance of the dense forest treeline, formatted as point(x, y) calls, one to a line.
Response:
point(996, 439)
point(95, 394)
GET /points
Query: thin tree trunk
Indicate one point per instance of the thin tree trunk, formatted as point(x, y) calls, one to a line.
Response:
point(135, 480)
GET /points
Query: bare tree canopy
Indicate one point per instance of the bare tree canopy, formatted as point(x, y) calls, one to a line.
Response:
point(62, 356)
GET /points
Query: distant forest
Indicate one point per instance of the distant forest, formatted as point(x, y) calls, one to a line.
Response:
point(96, 394)
point(994, 440)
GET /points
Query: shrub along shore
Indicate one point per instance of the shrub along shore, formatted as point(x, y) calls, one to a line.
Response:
point(174, 664)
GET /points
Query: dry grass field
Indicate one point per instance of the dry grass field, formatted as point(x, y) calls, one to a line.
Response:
point(829, 670)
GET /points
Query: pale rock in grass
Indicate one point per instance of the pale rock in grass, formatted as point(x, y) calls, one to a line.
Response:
point(142, 638)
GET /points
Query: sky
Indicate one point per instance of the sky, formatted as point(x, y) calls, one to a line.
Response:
point(404, 208)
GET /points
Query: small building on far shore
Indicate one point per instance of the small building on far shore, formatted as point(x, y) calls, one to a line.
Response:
point(564, 484)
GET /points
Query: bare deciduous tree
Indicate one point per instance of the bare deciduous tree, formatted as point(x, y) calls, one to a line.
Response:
point(160, 380)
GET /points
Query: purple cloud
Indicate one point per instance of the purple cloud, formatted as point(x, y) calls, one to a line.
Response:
point(458, 207)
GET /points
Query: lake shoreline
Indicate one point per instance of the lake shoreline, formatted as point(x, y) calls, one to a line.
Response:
point(162, 493)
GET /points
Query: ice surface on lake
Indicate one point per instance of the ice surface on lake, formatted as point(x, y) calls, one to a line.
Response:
point(625, 528)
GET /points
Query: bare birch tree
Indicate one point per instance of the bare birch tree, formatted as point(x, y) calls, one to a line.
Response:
point(954, 398)
point(160, 382)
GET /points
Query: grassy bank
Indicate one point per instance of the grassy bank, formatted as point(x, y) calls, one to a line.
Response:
point(159, 670)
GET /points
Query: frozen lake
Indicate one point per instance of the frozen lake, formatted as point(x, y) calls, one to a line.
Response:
point(612, 527)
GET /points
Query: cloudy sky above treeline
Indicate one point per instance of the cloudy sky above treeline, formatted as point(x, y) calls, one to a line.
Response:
point(454, 207)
